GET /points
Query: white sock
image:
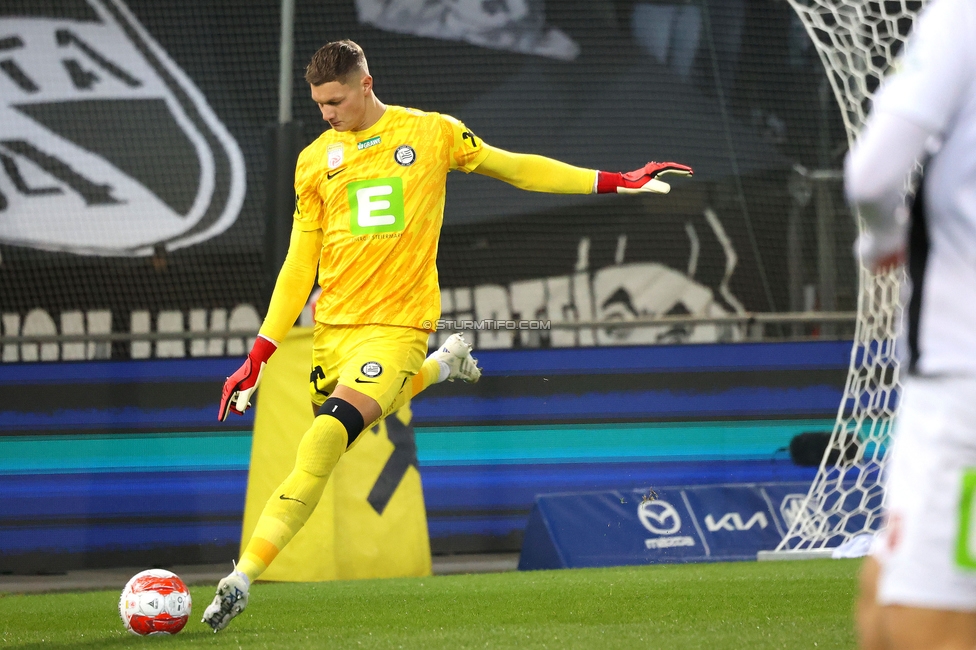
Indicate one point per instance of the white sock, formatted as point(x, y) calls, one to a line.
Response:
point(445, 371)
point(247, 580)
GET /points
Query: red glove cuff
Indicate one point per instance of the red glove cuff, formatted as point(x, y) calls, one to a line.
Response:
point(607, 182)
point(262, 350)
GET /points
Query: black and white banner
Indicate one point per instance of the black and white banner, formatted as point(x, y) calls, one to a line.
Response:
point(516, 25)
point(107, 147)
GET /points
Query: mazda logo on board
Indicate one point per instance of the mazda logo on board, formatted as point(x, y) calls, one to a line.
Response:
point(659, 517)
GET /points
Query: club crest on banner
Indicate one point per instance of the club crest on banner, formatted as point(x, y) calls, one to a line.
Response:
point(107, 147)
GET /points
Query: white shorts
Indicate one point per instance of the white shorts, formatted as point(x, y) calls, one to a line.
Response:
point(927, 551)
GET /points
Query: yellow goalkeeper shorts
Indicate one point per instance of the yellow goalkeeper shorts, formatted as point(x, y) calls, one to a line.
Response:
point(376, 360)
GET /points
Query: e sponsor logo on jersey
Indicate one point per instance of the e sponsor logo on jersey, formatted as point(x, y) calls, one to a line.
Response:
point(81, 170)
point(376, 206)
point(405, 155)
point(334, 154)
point(366, 144)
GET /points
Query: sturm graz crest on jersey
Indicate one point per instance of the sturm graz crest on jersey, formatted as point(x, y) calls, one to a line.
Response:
point(106, 146)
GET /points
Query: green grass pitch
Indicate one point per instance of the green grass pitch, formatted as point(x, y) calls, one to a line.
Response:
point(712, 606)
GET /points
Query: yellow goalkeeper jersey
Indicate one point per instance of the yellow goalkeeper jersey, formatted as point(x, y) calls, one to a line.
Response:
point(378, 196)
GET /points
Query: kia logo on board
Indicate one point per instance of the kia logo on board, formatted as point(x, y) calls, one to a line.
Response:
point(106, 145)
point(659, 517)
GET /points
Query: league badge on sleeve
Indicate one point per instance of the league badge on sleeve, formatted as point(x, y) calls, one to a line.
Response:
point(108, 147)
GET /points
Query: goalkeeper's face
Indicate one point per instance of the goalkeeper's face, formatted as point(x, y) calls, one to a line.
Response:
point(343, 104)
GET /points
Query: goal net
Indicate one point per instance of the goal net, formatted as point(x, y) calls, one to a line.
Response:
point(857, 41)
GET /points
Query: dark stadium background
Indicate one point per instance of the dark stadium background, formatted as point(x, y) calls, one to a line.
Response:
point(751, 116)
point(742, 124)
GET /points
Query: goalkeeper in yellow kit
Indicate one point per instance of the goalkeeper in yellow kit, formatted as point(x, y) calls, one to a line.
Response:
point(369, 208)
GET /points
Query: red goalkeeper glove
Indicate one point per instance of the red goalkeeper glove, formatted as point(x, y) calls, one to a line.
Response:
point(238, 388)
point(644, 179)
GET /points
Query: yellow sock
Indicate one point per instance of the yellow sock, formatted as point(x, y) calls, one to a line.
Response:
point(429, 372)
point(293, 502)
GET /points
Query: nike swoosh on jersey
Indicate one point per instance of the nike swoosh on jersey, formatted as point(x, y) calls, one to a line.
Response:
point(331, 175)
point(365, 381)
point(284, 498)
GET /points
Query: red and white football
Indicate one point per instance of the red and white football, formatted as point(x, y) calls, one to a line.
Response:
point(155, 601)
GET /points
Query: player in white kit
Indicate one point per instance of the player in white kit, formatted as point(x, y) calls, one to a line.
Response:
point(918, 588)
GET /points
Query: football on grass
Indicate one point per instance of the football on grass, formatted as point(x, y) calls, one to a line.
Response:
point(155, 602)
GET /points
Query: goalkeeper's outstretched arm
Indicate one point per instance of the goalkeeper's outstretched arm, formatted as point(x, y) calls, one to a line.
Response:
point(541, 174)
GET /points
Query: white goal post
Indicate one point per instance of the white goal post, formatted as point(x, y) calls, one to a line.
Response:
point(857, 41)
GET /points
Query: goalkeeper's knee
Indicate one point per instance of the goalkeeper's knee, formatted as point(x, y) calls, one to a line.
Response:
point(336, 427)
point(347, 415)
